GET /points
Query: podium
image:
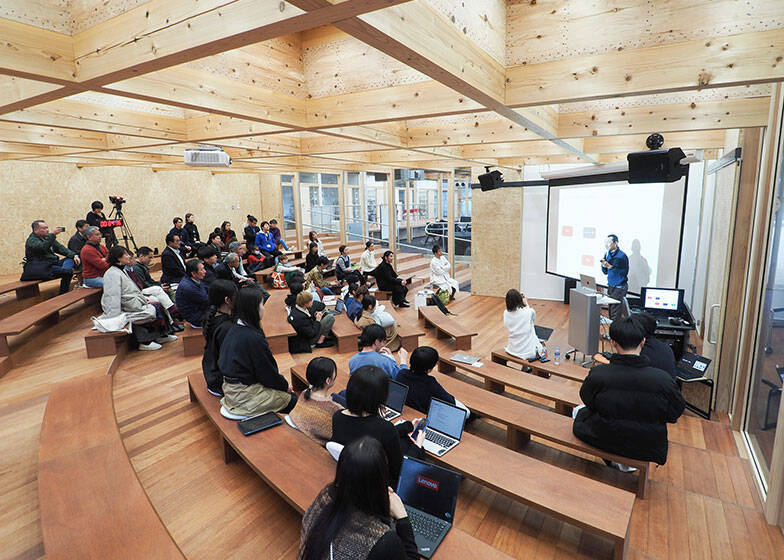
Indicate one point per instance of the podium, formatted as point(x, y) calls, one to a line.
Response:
point(583, 322)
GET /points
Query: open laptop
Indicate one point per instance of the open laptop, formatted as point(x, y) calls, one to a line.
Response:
point(396, 399)
point(587, 283)
point(444, 427)
point(430, 496)
point(692, 366)
point(543, 333)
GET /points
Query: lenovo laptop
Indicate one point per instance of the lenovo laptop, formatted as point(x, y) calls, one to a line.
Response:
point(444, 427)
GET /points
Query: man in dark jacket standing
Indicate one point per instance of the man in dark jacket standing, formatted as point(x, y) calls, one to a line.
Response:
point(43, 246)
point(627, 402)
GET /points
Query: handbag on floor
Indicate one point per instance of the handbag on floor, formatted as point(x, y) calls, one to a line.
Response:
point(36, 270)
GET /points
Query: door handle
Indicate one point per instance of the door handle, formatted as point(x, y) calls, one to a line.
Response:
point(710, 322)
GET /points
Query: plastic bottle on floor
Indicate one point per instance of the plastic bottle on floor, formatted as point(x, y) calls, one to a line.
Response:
point(557, 356)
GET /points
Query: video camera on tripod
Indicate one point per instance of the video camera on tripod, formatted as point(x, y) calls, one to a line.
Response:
point(120, 221)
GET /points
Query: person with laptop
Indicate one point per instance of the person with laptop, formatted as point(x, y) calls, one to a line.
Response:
point(519, 320)
point(366, 391)
point(372, 352)
point(659, 353)
point(628, 403)
point(615, 264)
point(358, 516)
point(422, 387)
point(313, 413)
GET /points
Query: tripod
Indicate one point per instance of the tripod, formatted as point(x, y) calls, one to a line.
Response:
point(125, 229)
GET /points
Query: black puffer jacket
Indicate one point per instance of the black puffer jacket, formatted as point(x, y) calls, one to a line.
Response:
point(307, 330)
point(627, 406)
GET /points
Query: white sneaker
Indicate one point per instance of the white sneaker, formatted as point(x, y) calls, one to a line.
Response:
point(165, 339)
point(150, 346)
point(622, 468)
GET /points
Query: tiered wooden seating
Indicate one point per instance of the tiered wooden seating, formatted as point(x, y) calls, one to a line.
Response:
point(192, 341)
point(566, 395)
point(347, 333)
point(567, 369)
point(100, 344)
point(447, 327)
point(275, 323)
point(297, 468)
point(91, 502)
point(43, 312)
point(23, 290)
point(583, 502)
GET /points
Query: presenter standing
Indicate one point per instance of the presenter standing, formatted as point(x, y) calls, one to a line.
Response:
point(615, 265)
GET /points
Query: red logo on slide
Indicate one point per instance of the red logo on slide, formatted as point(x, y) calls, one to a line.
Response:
point(427, 483)
point(567, 231)
point(587, 260)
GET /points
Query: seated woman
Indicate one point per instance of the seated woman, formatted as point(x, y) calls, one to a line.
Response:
point(389, 281)
point(312, 330)
point(392, 340)
point(367, 262)
point(217, 323)
point(519, 320)
point(312, 258)
point(354, 300)
point(227, 234)
point(365, 393)
point(357, 516)
point(421, 385)
point(251, 382)
point(314, 411)
point(286, 269)
point(439, 273)
point(314, 238)
point(122, 295)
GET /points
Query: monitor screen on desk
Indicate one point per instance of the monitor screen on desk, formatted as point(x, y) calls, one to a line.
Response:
point(661, 299)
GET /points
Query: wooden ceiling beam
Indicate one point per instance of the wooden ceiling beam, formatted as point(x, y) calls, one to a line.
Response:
point(728, 113)
point(696, 140)
point(745, 58)
point(34, 53)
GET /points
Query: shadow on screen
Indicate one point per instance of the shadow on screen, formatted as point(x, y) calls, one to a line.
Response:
point(639, 270)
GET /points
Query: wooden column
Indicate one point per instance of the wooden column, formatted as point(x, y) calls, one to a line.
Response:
point(363, 215)
point(450, 216)
point(391, 214)
point(341, 207)
point(298, 210)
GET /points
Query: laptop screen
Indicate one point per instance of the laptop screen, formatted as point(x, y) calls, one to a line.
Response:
point(661, 299)
point(446, 418)
point(694, 364)
point(396, 397)
point(428, 488)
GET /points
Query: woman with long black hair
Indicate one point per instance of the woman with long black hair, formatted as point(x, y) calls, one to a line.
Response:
point(358, 517)
point(217, 322)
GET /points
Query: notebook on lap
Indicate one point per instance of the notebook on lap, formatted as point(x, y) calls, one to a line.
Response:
point(444, 427)
point(430, 496)
point(396, 399)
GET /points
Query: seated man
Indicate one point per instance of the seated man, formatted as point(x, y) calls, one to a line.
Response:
point(421, 385)
point(93, 256)
point(344, 271)
point(659, 353)
point(142, 269)
point(209, 257)
point(627, 402)
point(41, 262)
point(239, 249)
point(439, 273)
point(192, 296)
point(373, 353)
point(216, 242)
point(389, 281)
point(172, 263)
point(78, 239)
point(315, 278)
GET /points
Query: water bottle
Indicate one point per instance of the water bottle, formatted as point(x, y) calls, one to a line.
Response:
point(557, 355)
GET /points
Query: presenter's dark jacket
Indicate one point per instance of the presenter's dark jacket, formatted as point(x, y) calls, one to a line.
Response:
point(660, 354)
point(144, 275)
point(308, 330)
point(172, 266)
point(627, 406)
point(45, 248)
point(421, 388)
point(386, 277)
point(246, 358)
point(192, 300)
point(214, 335)
point(618, 275)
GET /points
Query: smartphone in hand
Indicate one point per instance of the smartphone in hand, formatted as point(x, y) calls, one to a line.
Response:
point(419, 427)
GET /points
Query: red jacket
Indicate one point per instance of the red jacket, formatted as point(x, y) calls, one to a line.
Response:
point(92, 264)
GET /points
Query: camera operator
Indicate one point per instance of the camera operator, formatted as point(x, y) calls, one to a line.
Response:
point(94, 218)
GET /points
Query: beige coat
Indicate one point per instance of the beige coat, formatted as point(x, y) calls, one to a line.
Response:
point(392, 341)
point(121, 295)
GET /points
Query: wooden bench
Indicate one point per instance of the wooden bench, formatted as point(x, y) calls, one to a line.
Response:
point(92, 505)
point(586, 503)
point(275, 323)
point(24, 290)
point(192, 341)
point(100, 344)
point(566, 369)
point(347, 333)
point(446, 327)
point(43, 312)
point(565, 395)
point(298, 468)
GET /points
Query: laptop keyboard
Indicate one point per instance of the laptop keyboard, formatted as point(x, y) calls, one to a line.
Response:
point(424, 525)
point(438, 439)
point(388, 413)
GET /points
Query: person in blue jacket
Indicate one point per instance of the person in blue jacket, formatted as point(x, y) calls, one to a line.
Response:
point(265, 241)
point(615, 264)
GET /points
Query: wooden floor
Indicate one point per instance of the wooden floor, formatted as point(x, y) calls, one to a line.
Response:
point(702, 503)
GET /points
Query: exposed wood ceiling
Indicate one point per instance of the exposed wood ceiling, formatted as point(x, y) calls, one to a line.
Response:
point(379, 84)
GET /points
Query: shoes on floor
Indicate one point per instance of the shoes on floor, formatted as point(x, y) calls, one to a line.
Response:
point(150, 346)
point(619, 466)
point(404, 304)
point(165, 339)
point(178, 327)
point(326, 344)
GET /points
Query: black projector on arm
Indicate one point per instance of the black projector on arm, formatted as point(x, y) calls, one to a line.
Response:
point(656, 165)
point(491, 180)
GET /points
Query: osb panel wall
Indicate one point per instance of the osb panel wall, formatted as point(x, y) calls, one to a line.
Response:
point(61, 194)
point(495, 240)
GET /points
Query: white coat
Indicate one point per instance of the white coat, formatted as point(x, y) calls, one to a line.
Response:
point(122, 295)
point(523, 341)
point(367, 262)
point(439, 275)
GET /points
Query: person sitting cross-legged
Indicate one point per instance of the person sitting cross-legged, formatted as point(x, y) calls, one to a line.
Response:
point(315, 278)
point(628, 403)
point(192, 300)
point(372, 352)
point(389, 281)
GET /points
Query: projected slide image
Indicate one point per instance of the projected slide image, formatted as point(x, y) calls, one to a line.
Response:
point(646, 218)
